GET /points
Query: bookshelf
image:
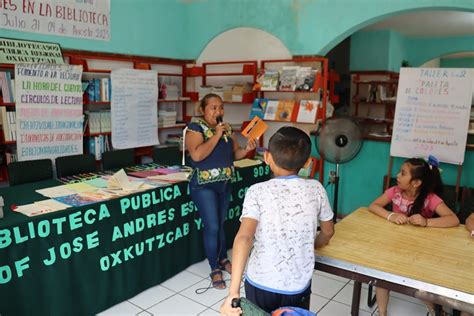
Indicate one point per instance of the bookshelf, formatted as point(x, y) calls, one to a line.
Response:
point(7, 118)
point(300, 81)
point(171, 78)
point(373, 99)
point(233, 81)
point(98, 66)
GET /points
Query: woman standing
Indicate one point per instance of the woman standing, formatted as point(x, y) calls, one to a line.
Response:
point(213, 149)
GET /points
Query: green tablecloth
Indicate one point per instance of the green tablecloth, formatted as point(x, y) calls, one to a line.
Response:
point(83, 260)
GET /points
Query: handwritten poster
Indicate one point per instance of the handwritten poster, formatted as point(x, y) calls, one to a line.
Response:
point(48, 110)
point(432, 113)
point(134, 108)
point(88, 19)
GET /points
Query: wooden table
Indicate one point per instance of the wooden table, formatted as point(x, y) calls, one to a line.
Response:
point(434, 264)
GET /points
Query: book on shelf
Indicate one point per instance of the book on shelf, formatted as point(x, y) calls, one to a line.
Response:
point(5, 124)
point(166, 118)
point(258, 108)
point(7, 86)
point(285, 110)
point(307, 111)
point(288, 78)
point(8, 121)
point(305, 79)
point(279, 110)
point(271, 109)
point(203, 91)
point(269, 80)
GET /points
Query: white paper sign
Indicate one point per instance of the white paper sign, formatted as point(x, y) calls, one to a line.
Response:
point(134, 108)
point(432, 113)
point(89, 19)
point(48, 110)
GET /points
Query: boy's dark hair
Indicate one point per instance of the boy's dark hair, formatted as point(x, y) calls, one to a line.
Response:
point(430, 182)
point(290, 148)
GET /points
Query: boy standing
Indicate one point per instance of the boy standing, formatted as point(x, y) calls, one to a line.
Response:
point(280, 219)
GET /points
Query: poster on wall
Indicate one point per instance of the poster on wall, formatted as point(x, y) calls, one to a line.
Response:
point(432, 113)
point(134, 108)
point(13, 51)
point(49, 117)
point(87, 19)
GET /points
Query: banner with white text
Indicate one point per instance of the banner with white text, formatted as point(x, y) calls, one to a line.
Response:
point(49, 117)
point(88, 19)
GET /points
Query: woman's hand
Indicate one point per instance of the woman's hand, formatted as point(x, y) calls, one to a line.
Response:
point(398, 218)
point(226, 307)
point(418, 220)
point(220, 129)
point(251, 145)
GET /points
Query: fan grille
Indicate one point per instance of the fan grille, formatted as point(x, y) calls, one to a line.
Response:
point(339, 140)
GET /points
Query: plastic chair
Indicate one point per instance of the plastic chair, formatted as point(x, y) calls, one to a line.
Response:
point(76, 164)
point(169, 155)
point(30, 171)
point(117, 159)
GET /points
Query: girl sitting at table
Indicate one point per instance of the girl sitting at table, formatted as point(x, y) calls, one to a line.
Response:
point(415, 200)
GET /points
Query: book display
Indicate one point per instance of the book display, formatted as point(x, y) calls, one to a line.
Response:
point(374, 94)
point(295, 92)
point(298, 89)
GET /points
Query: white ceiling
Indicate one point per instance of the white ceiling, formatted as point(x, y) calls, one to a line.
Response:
point(429, 24)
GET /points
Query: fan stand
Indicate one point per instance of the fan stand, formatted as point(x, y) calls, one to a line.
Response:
point(341, 142)
point(336, 192)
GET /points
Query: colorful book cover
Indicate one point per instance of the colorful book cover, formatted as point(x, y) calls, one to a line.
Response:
point(270, 110)
point(307, 111)
point(258, 108)
point(75, 200)
point(255, 129)
point(285, 110)
point(144, 173)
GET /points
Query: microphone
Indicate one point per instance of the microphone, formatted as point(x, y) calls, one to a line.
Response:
point(219, 121)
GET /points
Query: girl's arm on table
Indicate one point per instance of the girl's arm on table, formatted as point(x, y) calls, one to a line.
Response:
point(446, 218)
point(378, 207)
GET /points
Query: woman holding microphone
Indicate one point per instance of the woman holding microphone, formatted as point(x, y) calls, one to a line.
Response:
point(213, 149)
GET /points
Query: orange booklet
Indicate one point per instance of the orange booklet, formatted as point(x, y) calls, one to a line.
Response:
point(255, 129)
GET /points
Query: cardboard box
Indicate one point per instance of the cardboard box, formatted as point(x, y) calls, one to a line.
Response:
point(238, 91)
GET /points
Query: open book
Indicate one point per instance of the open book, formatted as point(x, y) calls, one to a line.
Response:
point(120, 181)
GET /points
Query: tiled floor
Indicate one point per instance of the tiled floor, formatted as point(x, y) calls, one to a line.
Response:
point(331, 296)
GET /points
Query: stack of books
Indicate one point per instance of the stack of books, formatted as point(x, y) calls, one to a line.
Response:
point(167, 118)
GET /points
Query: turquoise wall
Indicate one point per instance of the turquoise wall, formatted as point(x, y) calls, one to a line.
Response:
point(182, 29)
point(373, 50)
point(370, 51)
point(361, 179)
point(457, 63)
point(422, 50)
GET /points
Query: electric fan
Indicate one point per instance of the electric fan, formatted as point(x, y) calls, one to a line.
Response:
point(339, 140)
